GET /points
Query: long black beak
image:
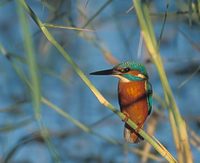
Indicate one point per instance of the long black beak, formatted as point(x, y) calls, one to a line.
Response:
point(104, 72)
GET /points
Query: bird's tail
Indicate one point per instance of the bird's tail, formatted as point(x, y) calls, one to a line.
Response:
point(130, 135)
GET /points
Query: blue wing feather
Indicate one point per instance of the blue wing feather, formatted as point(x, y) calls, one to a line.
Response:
point(149, 97)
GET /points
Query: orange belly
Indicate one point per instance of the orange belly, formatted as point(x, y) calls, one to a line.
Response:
point(133, 103)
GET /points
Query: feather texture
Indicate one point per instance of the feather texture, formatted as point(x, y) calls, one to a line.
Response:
point(134, 104)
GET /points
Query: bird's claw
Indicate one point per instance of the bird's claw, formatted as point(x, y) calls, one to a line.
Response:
point(139, 126)
point(126, 117)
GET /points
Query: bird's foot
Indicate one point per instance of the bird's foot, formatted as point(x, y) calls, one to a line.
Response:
point(138, 128)
point(126, 117)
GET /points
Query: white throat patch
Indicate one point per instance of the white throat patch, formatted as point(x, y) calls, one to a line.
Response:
point(122, 79)
point(141, 76)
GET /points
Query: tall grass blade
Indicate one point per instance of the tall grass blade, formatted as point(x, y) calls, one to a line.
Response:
point(151, 44)
point(34, 78)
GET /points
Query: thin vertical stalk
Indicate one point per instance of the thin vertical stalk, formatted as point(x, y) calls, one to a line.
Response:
point(150, 40)
point(29, 49)
point(34, 78)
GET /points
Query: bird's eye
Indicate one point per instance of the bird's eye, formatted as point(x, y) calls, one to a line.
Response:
point(127, 69)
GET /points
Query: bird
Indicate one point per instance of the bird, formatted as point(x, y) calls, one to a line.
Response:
point(134, 95)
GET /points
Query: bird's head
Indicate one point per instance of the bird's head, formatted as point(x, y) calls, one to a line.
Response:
point(126, 72)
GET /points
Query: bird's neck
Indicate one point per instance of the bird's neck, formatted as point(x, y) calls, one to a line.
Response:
point(132, 88)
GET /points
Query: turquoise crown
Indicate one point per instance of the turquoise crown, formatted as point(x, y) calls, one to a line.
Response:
point(133, 66)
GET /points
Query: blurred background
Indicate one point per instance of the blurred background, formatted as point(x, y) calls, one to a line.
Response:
point(108, 33)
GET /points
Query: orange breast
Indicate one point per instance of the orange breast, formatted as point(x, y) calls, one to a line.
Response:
point(133, 101)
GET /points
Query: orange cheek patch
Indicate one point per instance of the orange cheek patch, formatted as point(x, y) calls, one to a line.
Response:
point(134, 72)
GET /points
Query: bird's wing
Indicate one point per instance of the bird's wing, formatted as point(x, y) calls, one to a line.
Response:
point(149, 97)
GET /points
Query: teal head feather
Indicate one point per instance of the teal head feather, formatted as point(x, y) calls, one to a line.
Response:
point(126, 71)
point(125, 68)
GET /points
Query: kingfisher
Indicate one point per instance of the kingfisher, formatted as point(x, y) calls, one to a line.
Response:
point(134, 95)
